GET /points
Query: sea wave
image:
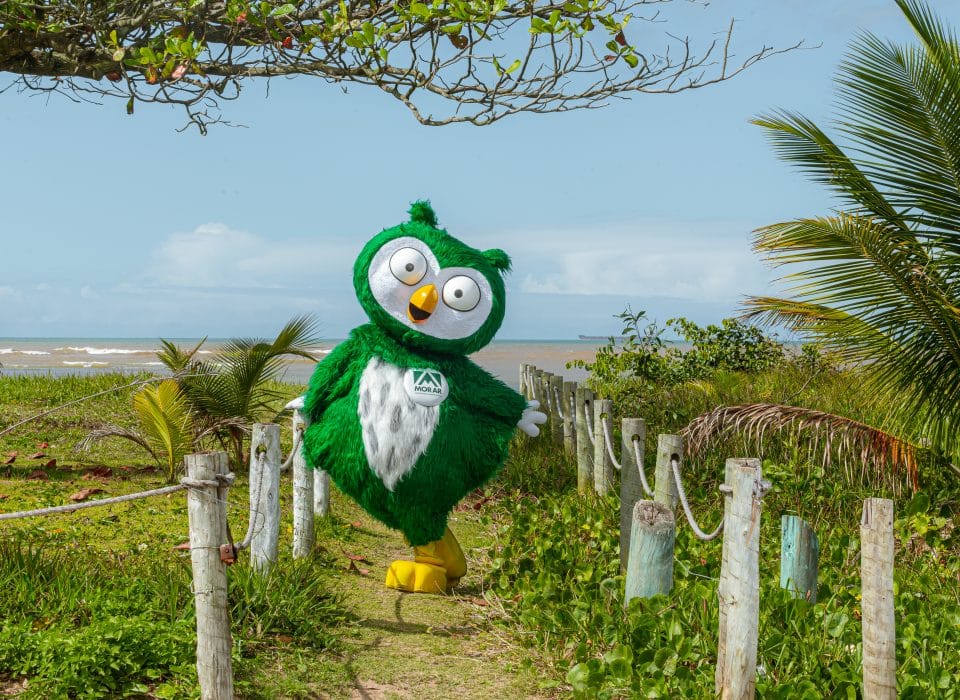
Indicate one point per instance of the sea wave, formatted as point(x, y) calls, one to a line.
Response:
point(11, 351)
point(86, 365)
point(109, 351)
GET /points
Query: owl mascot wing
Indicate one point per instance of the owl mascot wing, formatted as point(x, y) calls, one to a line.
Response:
point(404, 423)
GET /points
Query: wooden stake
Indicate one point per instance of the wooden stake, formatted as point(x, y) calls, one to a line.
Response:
point(740, 584)
point(303, 484)
point(631, 489)
point(602, 465)
point(799, 557)
point(207, 516)
point(879, 622)
point(265, 495)
point(584, 398)
point(665, 487)
point(522, 386)
point(321, 493)
point(569, 432)
point(650, 560)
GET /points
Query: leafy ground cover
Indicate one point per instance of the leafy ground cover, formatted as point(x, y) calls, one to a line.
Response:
point(97, 603)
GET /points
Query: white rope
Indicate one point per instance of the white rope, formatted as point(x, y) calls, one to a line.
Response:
point(587, 414)
point(297, 439)
point(547, 398)
point(185, 483)
point(675, 465)
point(608, 441)
point(572, 407)
point(558, 402)
point(638, 453)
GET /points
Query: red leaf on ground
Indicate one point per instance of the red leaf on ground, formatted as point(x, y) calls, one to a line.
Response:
point(38, 475)
point(84, 494)
point(357, 570)
point(4, 495)
point(43, 445)
point(37, 455)
point(478, 601)
point(479, 504)
point(52, 463)
point(356, 523)
point(284, 638)
point(95, 472)
point(183, 546)
point(11, 458)
point(363, 572)
point(356, 557)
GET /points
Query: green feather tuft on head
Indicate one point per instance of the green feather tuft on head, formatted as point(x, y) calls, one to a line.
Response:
point(422, 213)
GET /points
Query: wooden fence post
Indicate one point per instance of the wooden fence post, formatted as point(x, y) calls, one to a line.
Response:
point(602, 465)
point(650, 561)
point(207, 516)
point(556, 396)
point(631, 489)
point(665, 487)
point(879, 621)
point(799, 557)
point(522, 386)
point(321, 493)
point(265, 495)
point(569, 431)
point(584, 448)
point(739, 587)
point(303, 483)
point(538, 389)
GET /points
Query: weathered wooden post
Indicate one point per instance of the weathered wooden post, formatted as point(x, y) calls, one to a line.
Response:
point(321, 493)
point(665, 487)
point(739, 587)
point(303, 484)
point(207, 516)
point(584, 397)
point(569, 412)
point(265, 495)
point(602, 464)
point(522, 386)
point(799, 557)
point(538, 389)
point(879, 622)
point(560, 414)
point(634, 431)
point(650, 558)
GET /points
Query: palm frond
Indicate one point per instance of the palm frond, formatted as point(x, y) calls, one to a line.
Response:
point(175, 358)
point(834, 437)
point(111, 431)
point(167, 422)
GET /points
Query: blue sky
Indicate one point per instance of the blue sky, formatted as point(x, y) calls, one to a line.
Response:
point(118, 226)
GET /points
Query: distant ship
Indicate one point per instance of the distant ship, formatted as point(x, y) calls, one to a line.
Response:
point(603, 338)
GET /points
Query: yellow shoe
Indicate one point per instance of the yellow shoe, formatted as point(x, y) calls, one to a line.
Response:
point(448, 549)
point(416, 577)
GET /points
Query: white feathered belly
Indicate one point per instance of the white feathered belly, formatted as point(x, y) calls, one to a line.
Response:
point(396, 431)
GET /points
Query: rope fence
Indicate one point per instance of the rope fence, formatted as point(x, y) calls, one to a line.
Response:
point(648, 533)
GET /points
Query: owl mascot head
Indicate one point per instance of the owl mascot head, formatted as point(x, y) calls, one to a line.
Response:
point(404, 423)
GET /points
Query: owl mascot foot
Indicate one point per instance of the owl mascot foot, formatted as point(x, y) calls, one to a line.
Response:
point(398, 415)
point(435, 567)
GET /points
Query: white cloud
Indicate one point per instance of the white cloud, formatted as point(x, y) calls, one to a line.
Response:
point(702, 261)
point(214, 255)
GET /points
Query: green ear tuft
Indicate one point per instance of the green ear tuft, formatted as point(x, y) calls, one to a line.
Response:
point(422, 213)
point(498, 258)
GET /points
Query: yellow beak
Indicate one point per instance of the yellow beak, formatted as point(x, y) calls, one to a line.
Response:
point(423, 302)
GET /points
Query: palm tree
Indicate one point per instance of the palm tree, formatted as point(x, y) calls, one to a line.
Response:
point(878, 280)
point(233, 388)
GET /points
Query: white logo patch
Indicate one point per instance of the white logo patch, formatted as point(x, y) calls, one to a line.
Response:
point(426, 387)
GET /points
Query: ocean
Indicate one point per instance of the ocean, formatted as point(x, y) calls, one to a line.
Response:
point(60, 356)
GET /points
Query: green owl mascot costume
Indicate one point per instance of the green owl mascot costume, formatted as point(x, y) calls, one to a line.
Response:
point(404, 423)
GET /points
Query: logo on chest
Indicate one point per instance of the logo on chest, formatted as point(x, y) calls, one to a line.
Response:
point(426, 387)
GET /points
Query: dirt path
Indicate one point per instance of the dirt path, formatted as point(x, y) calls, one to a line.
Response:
point(414, 645)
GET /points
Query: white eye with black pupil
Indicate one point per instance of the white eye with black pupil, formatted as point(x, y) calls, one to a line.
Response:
point(408, 265)
point(461, 293)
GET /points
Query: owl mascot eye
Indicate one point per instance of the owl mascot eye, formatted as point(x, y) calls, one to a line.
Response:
point(404, 423)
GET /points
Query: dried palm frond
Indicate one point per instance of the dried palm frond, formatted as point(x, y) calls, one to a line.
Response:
point(835, 437)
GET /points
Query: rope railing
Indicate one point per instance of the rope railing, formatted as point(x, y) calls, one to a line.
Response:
point(297, 440)
point(558, 402)
point(53, 510)
point(682, 495)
